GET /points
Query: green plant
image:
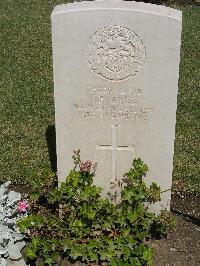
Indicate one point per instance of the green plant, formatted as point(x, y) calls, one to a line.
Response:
point(79, 224)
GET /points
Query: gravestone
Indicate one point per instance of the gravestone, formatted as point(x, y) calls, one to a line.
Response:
point(116, 68)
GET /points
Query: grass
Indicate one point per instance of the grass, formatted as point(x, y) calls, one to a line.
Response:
point(187, 144)
point(26, 93)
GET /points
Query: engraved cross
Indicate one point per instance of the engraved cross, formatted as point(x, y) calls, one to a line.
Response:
point(114, 148)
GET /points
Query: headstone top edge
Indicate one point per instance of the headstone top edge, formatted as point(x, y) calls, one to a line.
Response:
point(113, 4)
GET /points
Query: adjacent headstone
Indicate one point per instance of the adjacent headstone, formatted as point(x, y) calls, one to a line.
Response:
point(116, 68)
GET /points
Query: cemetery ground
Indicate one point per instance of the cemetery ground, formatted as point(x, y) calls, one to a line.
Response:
point(27, 145)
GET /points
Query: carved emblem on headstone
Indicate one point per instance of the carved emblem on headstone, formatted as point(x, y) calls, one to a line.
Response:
point(115, 53)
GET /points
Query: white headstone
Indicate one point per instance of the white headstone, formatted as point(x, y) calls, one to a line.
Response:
point(116, 68)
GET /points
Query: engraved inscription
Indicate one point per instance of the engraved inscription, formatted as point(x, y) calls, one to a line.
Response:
point(115, 53)
point(114, 104)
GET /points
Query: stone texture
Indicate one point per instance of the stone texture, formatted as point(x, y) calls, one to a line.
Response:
point(116, 68)
point(20, 262)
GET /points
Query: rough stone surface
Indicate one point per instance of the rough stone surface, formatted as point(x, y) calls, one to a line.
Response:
point(11, 241)
point(116, 68)
point(20, 262)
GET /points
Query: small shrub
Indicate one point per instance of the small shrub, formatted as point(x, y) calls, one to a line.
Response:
point(77, 223)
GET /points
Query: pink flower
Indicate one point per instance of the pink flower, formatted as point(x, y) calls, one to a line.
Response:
point(85, 166)
point(22, 205)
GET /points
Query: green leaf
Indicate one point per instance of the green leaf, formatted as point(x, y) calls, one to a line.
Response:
point(91, 244)
point(30, 253)
point(76, 252)
point(93, 256)
point(49, 261)
point(114, 262)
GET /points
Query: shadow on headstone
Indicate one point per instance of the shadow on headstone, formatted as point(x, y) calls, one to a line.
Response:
point(51, 142)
